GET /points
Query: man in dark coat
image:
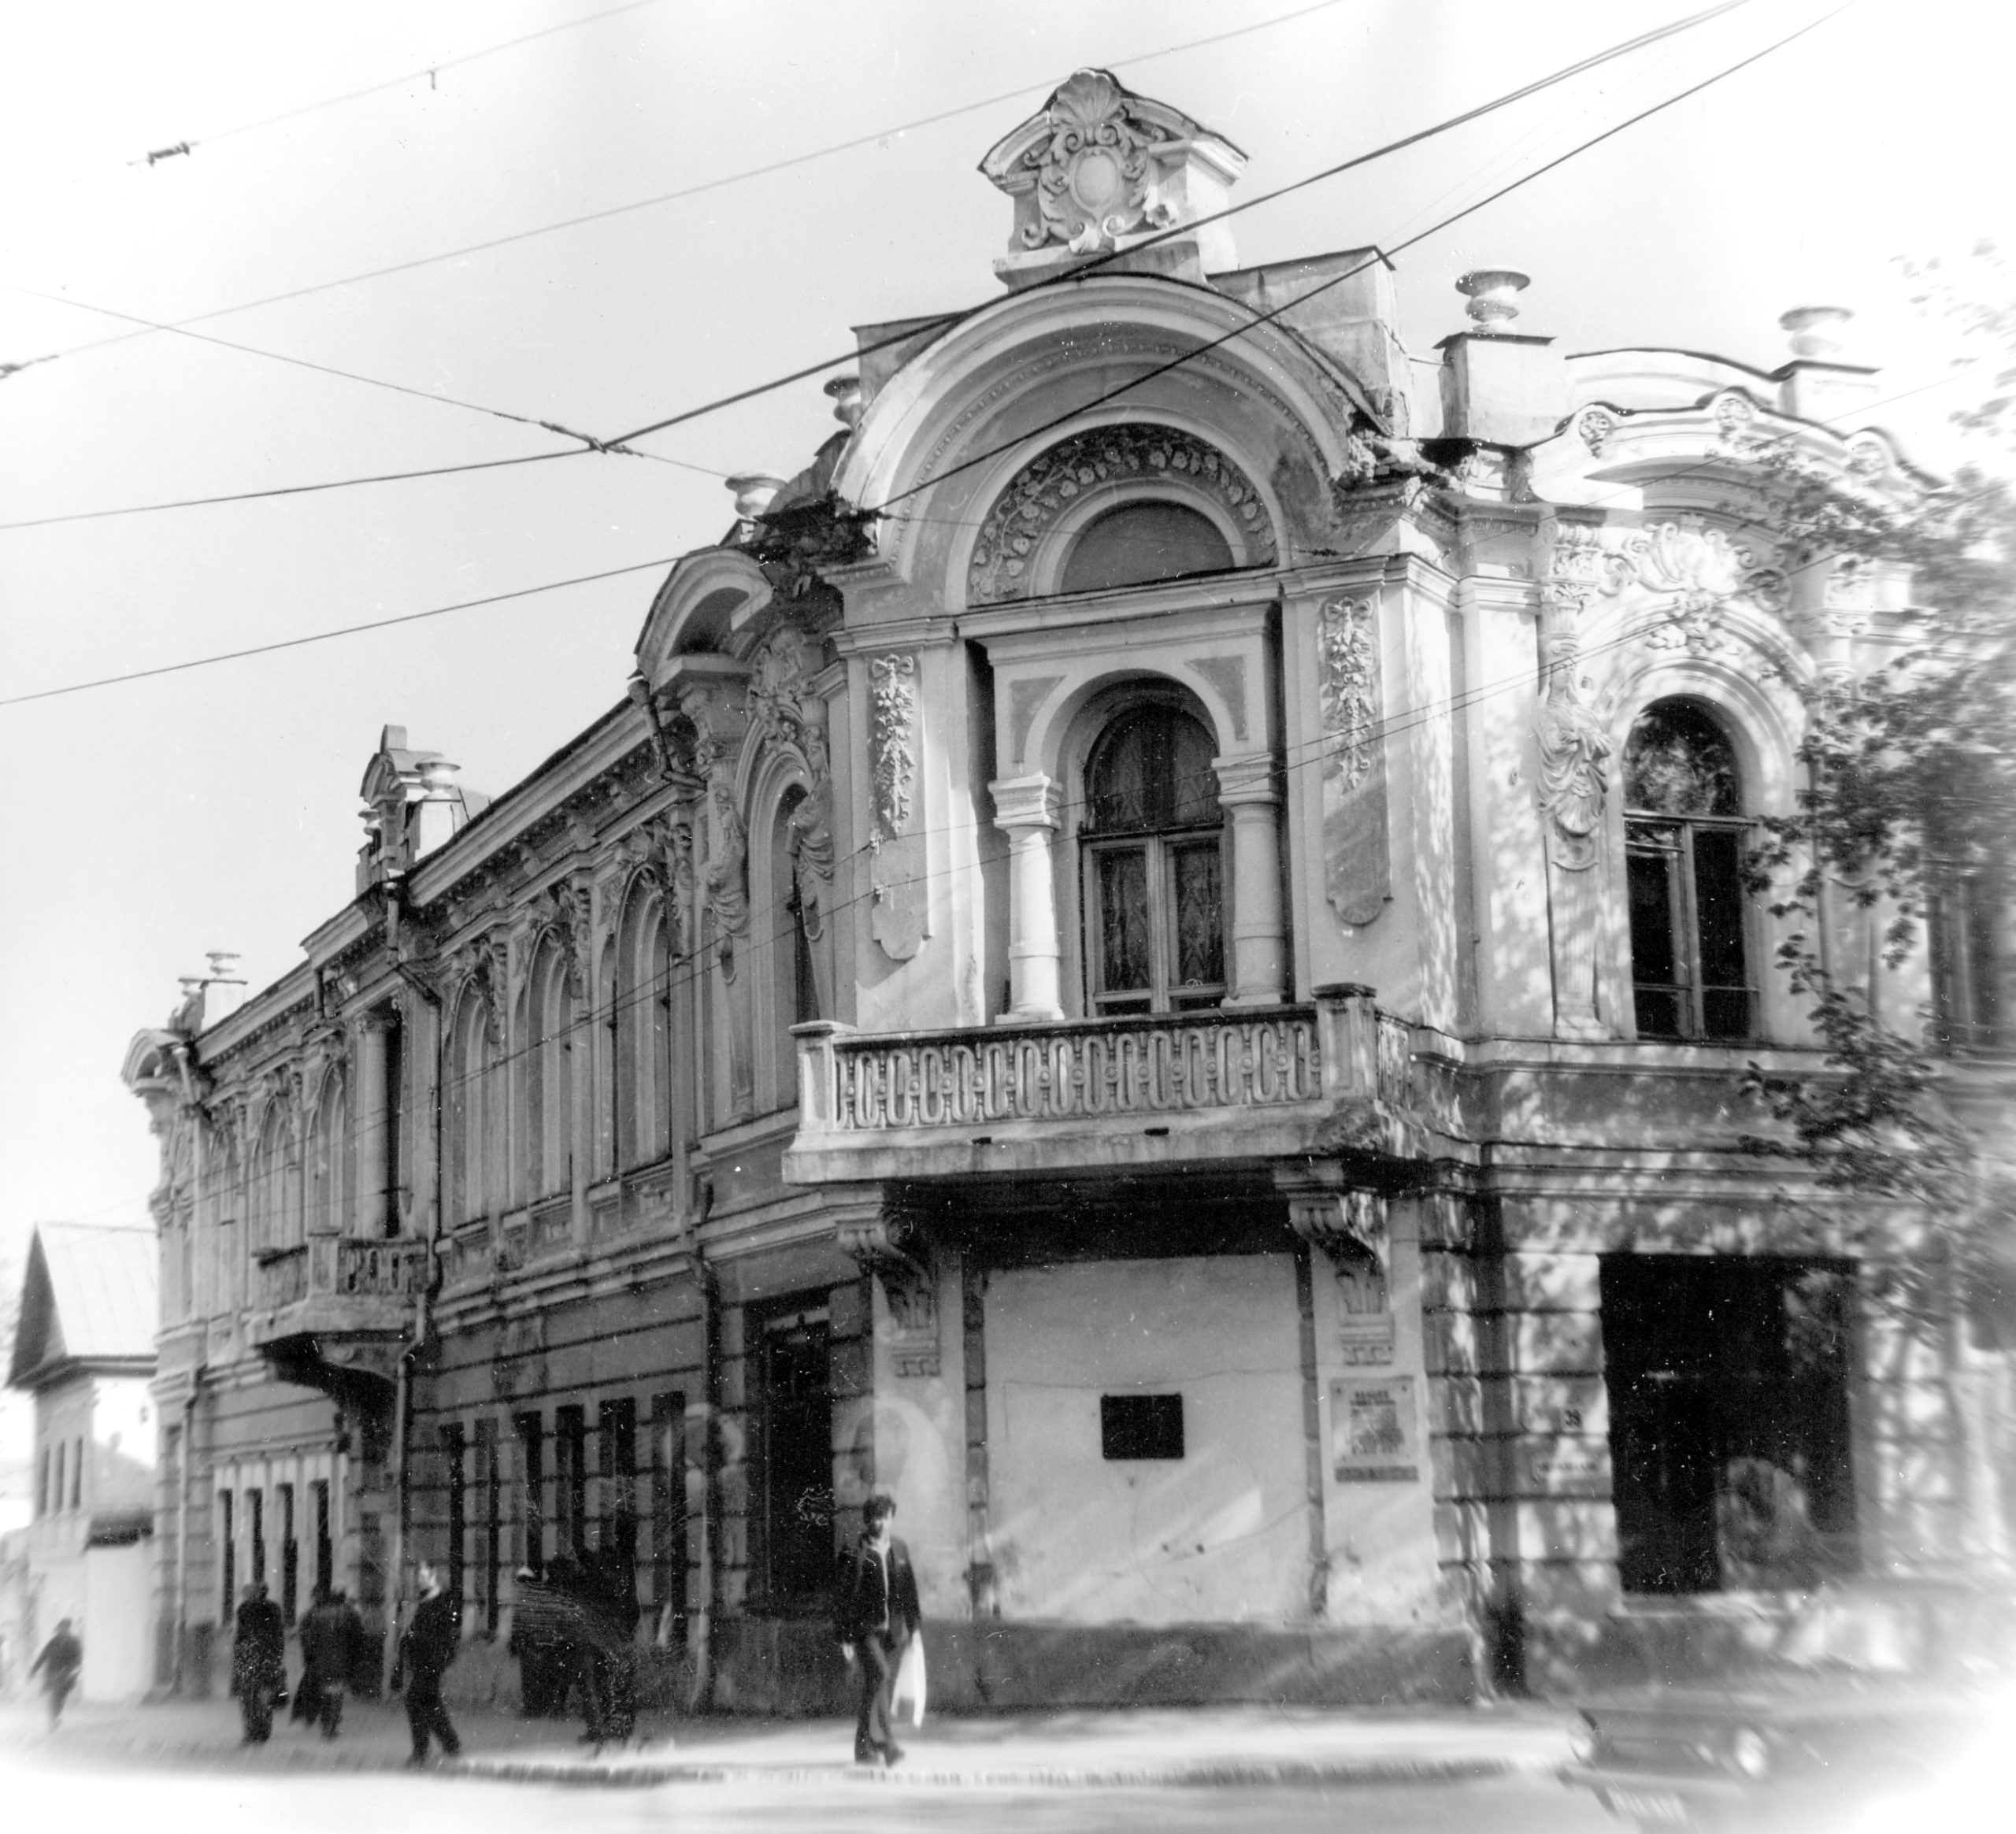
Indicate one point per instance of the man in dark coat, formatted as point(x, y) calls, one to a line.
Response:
point(258, 1662)
point(610, 1597)
point(430, 1644)
point(878, 1614)
point(538, 1639)
point(332, 1647)
point(61, 1657)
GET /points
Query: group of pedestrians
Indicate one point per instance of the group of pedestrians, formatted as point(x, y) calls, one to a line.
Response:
point(334, 1653)
point(572, 1631)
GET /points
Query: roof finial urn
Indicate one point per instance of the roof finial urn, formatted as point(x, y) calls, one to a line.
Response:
point(1493, 294)
point(1817, 332)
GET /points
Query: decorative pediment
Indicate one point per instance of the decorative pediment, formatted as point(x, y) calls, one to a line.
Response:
point(1099, 164)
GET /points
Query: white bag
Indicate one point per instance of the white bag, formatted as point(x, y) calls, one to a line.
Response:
point(908, 1685)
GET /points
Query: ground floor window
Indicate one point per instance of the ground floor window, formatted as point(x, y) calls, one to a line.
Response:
point(451, 1457)
point(794, 1480)
point(1729, 1420)
point(532, 1490)
point(669, 1518)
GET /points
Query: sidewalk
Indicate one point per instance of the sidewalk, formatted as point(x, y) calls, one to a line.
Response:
point(1154, 1748)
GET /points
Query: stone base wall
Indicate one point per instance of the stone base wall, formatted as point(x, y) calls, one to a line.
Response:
point(784, 1667)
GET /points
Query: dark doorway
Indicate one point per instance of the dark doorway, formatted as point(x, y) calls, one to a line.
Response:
point(796, 1445)
point(1729, 1420)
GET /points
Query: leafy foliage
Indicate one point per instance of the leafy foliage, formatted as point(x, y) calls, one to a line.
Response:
point(1909, 796)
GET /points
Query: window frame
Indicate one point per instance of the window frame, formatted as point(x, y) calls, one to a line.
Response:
point(1160, 848)
point(1674, 839)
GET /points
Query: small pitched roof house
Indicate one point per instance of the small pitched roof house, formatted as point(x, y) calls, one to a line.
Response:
point(87, 1304)
point(85, 1350)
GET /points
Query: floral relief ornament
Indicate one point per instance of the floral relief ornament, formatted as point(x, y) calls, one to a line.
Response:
point(1574, 746)
point(1348, 689)
point(1112, 456)
point(892, 695)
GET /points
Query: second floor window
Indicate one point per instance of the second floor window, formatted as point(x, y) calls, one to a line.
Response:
point(1153, 866)
point(1684, 841)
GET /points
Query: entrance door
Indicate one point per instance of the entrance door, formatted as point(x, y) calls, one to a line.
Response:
point(1728, 1381)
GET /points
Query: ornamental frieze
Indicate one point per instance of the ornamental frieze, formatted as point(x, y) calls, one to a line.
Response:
point(1110, 458)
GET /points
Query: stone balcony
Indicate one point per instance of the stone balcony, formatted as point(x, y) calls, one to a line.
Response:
point(1333, 1077)
point(340, 1301)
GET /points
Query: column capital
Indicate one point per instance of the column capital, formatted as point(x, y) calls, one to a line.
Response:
point(1023, 803)
point(1246, 777)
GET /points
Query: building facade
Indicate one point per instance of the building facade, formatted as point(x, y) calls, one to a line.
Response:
point(84, 1350)
point(1156, 960)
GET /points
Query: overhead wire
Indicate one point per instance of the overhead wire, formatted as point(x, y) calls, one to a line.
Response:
point(346, 630)
point(1269, 316)
point(985, 457)
point(911, 331)
point(697, 189)
point(187, 146)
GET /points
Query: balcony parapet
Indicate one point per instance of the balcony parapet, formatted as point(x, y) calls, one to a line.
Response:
point(1333, 1074)
point(335, 1287)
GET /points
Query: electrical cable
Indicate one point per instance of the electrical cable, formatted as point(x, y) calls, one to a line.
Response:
point(670, 196)
point(1274, 312)
point(431, 71)
point(923, 328)
point(621, 443)
point(346, 630)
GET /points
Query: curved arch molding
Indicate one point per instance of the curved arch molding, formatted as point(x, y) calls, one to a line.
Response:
point(1109, 458)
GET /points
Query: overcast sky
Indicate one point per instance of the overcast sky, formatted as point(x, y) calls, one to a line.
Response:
point(147, 822)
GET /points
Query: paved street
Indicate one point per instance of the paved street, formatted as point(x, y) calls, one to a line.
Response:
point(53, 1797)
point(180, 1765)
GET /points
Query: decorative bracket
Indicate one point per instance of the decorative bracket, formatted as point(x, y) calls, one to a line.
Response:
point(880, 1242)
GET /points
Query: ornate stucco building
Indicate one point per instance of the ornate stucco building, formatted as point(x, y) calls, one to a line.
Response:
point(1155, 959)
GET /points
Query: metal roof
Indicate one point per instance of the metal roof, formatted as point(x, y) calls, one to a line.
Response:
point(89, 1297)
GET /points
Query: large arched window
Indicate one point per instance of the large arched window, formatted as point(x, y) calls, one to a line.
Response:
point(269, 1182)
point(1153, 865)
point(549, 1077)
point(1684, 838)
point(1141, 543)
point(465, 1103)
point(643, 1018)
point(794, 989)
point(329, 1161)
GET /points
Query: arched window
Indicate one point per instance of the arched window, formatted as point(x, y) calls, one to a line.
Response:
point(1685, 839)
point(464, 1110)
point(1140, 543)
point(270, 1181)
point(549, 1078)
point(643, 1036)
point(329, 1161)
point(794, 993)
point(1153, 865)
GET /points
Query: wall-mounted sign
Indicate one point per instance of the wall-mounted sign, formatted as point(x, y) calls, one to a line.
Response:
point(1374, 1438)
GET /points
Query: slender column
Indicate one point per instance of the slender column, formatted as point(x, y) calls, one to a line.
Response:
point(370, 1123)
point(1026, 810)
point(1259, 941)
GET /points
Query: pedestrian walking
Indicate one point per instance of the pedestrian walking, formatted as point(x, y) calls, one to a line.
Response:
point(878, 1615)
point(430, 1644)
point(258, 1662)
point(611, 1612)
point(538, 1638)
point(61, 1657)
point(331, 1651)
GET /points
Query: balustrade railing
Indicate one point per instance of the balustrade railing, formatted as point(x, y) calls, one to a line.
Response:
point(367, 1269)
point(1109, 1069)
point(283, 1276)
